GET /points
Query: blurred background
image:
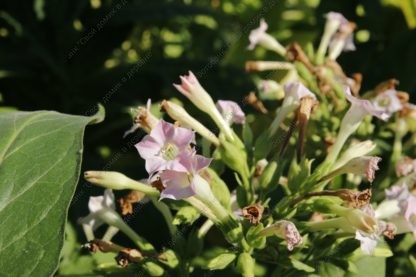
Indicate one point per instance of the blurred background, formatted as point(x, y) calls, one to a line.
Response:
point(69, 55)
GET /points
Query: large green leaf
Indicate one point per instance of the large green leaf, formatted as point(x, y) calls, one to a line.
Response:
point(40, 158)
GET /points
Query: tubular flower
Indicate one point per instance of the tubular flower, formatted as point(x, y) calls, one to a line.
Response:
point(270, 90)
point(405, 166)
point(388, 102)
point(294, 93)
point(179, 114)
point(365, 165)
point(337, 35)
point(352, 120)
point(342, 40)
point(286, 230)
point(399, 208)
point(97, 204)
point(179, 185)
point(192, 89)
point(231, 112)
point(260, 37)
point(166, 147)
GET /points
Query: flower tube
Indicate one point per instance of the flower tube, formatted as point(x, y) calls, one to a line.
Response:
point(192, 89)
point(260, 37)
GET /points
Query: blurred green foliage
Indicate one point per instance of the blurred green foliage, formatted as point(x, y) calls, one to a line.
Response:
point(67, 55)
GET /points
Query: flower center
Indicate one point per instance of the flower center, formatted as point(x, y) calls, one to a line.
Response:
point(169, 151)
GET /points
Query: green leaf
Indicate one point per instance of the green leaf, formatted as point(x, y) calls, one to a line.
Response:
point(214, 258)
point(253, 238)
point(40, 159)
point(221, 261)
point(301, 266)
point(370, 266)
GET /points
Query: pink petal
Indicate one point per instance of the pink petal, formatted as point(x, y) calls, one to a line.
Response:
point(148, 148)
point(297, 90)
point(227, 107)
point(178, 185)
point(365, 105)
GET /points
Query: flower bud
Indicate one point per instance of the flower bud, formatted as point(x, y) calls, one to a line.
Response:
point(169, 258)
point(267, 65)
point(270, 90)
point(234, 157)
point(179, 114)
point(267, 176)
point(117, 181)
point(245, 265)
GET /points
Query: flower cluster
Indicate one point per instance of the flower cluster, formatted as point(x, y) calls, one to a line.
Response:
point(285, 178)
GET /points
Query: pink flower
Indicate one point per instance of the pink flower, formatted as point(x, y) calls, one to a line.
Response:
point(180, 185)
point(260, 37)
point(362, 107)
point(189, 83)
point(231, 111)
point(336, 17)
point(297, 91)
point(405, 166)
point(388, 102)
point(166, 147)
point(406, 201)
point(342, 39)
point(192, 89)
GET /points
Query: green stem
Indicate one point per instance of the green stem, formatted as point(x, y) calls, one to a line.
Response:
point(167, 215)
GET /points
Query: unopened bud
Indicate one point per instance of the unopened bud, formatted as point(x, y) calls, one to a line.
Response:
point(267, 65)
point(179, 114)
point(117, 181)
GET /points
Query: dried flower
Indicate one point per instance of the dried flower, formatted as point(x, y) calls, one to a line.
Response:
point(253, 213)
point(144, 119)
point(127, 256)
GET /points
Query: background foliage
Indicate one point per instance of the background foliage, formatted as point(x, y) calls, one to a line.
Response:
point(67, 55)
